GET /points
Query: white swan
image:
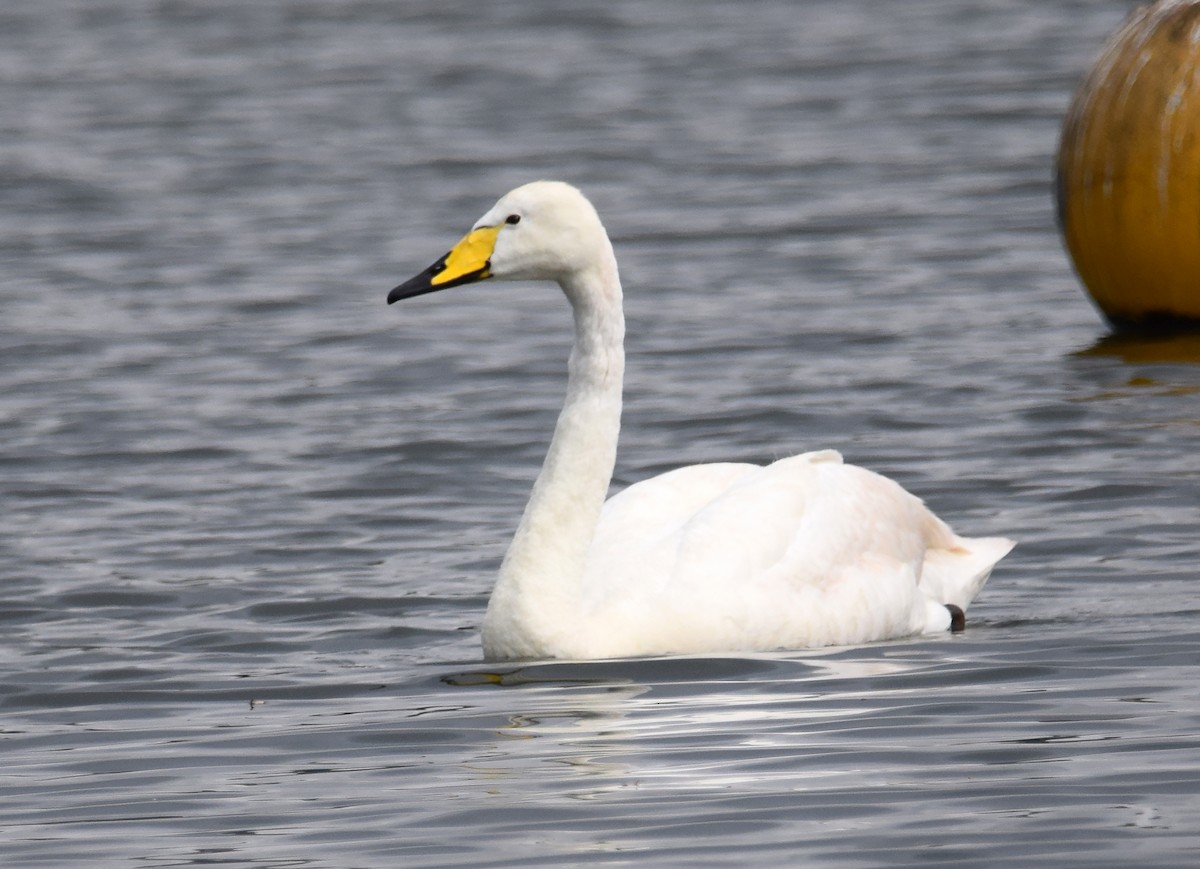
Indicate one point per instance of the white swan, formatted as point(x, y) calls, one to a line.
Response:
point(804, 552)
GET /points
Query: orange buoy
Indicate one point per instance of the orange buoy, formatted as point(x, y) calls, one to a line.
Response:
point(1129, 172)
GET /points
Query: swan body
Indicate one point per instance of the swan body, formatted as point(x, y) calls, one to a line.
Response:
point(805, 552)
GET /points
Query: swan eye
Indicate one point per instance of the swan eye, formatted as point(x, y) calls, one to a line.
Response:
point(513, 218)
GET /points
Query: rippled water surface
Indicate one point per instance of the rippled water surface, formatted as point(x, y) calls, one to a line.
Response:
point(252, 515)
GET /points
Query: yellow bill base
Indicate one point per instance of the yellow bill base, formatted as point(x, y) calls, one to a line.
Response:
point(469, 258)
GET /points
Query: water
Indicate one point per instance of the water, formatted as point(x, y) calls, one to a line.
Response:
point(252, 515)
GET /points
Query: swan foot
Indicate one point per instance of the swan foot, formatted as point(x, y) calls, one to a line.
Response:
point(958, 619)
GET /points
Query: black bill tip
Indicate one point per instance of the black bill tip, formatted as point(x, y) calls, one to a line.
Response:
point(423, 283)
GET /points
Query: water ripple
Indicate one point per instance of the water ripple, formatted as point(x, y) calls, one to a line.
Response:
point(253, 514)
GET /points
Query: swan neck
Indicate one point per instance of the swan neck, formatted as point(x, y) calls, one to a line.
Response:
point(534, 609)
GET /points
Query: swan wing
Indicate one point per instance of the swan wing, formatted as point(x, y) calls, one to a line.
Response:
point(659, 505)
point(807, 551)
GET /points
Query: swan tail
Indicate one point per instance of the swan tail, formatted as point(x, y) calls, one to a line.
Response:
point(955, 574)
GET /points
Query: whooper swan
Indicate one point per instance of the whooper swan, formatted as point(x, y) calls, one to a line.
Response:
point(804, 552)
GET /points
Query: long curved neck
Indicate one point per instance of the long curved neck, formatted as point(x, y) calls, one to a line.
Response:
point(535, 602)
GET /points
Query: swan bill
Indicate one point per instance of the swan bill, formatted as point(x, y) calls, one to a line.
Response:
point(467, 262)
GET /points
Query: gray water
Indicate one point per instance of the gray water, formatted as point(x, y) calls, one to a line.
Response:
point(251, 515)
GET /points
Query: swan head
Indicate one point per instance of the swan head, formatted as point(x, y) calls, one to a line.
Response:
point(545, 230)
